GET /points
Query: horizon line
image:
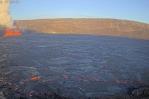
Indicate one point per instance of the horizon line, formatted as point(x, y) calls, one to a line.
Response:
point(52, 18)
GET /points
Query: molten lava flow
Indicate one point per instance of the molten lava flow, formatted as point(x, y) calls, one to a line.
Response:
point(35, 78)
point(8, 32)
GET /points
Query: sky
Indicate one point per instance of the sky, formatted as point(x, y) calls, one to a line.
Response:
point(137, 10)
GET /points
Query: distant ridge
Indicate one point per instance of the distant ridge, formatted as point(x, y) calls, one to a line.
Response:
point(113, 27)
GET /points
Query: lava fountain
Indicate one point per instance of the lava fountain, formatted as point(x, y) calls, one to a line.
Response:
point(6, 20)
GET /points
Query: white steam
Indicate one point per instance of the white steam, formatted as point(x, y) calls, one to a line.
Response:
point(5, 18)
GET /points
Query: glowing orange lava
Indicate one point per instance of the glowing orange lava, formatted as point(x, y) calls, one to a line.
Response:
point(35, 78)
point(8, 32)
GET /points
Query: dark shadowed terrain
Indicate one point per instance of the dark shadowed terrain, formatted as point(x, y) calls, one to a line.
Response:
point(42, 66)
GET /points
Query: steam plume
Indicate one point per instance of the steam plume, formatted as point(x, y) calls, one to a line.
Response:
point(5, 18)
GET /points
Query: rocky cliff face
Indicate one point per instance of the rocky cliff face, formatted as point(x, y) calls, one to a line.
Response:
point(5, 19)
point(112, 27)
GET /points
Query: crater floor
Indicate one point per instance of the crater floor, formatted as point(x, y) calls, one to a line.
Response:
point(38, 65)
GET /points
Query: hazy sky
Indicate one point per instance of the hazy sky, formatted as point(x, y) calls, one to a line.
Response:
point(122, 9)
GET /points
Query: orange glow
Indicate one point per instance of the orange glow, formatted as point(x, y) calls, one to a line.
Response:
point(11, 32)
point(35, 78)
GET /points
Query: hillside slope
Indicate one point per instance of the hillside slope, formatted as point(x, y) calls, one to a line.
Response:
point(112, 27)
